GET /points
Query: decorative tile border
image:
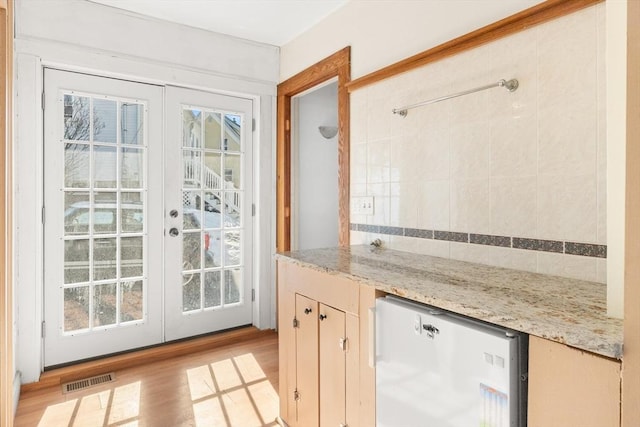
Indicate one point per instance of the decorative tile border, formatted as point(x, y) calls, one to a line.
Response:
point(556, 246)
point(538, 245)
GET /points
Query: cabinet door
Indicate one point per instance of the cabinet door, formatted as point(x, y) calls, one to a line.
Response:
point(332, 367)
point(307, 361)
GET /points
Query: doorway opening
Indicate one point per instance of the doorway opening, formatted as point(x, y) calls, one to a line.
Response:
point(314, 168)
point(336, 66)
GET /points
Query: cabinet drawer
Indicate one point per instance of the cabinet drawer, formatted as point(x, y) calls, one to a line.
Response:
point(334, 291)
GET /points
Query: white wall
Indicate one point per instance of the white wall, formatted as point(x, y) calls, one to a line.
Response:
point(317, 186)
point(83, 36)
point(382, 32)
point(616, 152)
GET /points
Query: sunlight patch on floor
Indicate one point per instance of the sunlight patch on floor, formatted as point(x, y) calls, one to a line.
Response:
point(232, 392)
point(117, 406)
point(58, 415)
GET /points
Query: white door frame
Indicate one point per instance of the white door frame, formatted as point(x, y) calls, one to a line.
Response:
point(31, 57)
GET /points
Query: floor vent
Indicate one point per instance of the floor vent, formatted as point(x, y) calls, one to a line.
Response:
point(88, 382)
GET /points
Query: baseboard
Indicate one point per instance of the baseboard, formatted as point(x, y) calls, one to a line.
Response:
point(17, 383)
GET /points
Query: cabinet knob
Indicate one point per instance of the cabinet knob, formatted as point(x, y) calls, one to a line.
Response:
point(307, 310)
point(323, 316)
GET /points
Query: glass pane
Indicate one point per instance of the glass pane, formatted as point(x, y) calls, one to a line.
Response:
point(232, 172)
point(105, 122)
point(232, 283)
point(232, 248)
point(212, 168)
point(212, 288)
point(104, 304)
point(131, 213)
point(191, 163)
point(105, 218)
point(215, 247)
point(131, 250)
point(76, 308)
point(191, 128)
point(191, 215)
point(190, 251)
point(132, 173)
point(207, 248)
point(77, 118)
point(232, 129)
point(132, 123)
point(212, 204)
point(212, 133)
point(131, 301)
point(105, 167)
point(104, 259)
point(76, 165)
point(232, 200)
point(76, 213)
point(76, 261)
point(190, 291)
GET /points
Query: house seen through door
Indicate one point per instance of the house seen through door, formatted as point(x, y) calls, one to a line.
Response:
point(148, 223)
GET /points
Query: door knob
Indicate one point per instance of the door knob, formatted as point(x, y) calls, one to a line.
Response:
point(323, 316)
point(174, 232)
point(173, 213)
point(307, 310)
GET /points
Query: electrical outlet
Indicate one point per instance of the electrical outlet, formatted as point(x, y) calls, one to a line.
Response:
point(362, 205)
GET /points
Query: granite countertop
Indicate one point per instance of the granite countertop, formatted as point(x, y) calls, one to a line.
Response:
point(567, 311)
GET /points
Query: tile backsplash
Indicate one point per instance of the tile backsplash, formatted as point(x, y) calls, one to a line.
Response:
point(515, 179)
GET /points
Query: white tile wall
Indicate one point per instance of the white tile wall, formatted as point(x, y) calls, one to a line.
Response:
point(531, 163)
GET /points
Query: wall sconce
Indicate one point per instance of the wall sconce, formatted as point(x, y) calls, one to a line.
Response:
point(328, 131)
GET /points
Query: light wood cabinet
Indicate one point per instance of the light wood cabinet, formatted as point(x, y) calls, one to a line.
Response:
point(324, 332)
point(570, 387)
point(306, 392)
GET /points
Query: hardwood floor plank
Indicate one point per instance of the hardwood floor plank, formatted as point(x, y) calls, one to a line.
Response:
point(233, 385)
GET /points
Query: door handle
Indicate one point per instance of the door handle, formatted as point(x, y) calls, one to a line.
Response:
point(173, 232)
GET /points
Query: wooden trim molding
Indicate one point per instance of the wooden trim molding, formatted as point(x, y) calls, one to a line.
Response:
point(337, 65)
point(543, 12)
point(6, 189)
point(631, 356)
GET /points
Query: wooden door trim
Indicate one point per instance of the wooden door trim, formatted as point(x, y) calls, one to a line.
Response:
point(337, 65)
point(631, 356)
point(6, 186)
point(538, 14)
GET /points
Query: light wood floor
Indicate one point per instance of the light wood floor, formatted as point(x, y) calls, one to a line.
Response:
point(231, 386)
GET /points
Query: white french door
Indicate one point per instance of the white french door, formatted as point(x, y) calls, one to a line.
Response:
point(103, 153)
point(208, 254)
point(147, 233)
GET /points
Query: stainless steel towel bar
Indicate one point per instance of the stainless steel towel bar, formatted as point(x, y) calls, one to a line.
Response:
point(510, 85)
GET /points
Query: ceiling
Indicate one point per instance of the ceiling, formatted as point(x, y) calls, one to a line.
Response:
point(274, 22)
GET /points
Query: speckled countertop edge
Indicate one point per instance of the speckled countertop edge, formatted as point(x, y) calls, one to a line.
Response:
point(567, 311)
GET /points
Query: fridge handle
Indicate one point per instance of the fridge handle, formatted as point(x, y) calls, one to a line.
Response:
point(372, 337)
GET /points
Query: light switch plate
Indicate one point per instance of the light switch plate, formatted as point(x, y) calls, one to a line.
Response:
point(362, 205)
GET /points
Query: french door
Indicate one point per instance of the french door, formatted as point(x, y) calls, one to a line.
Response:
point(139, 235)
point(208, 204)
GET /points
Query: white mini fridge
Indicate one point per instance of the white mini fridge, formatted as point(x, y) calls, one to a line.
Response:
point(438, 369)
